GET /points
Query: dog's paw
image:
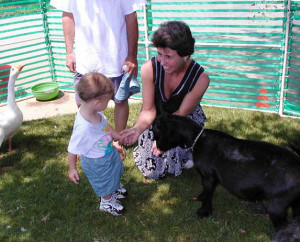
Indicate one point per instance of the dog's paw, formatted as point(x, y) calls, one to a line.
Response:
point(201, 197)
point(203, 213)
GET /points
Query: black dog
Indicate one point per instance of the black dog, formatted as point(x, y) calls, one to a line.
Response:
point(251, 170)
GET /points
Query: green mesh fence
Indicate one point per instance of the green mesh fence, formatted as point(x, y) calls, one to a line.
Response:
point(241, 44)
point(22, 40)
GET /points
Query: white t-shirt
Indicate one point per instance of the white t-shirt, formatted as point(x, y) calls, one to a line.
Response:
point(100, 33)
point(90, 140)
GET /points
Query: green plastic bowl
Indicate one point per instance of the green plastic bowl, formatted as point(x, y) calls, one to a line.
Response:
point(45, 91)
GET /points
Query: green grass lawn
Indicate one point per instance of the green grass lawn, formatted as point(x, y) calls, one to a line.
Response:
point(39, 203)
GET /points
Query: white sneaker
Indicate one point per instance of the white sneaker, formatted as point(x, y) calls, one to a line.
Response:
point(189, 164)
point(111, 206)
point(120, 193)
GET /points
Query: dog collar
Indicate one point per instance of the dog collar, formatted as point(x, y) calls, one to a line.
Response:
point(198, 136)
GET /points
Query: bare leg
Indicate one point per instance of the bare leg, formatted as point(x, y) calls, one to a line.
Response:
point(121, 115)
point(9, 145)
point(107, 197)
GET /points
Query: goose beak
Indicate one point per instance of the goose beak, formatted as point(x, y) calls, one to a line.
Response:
point(20, 67)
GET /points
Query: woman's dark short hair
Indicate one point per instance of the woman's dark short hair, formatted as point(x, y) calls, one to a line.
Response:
point(175, 35)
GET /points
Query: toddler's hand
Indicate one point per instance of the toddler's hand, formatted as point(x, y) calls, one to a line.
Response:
point(73, 176)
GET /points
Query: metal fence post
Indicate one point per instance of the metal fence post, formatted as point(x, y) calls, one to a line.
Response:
point(47, 39)
point(146, 32)
point(285, 57)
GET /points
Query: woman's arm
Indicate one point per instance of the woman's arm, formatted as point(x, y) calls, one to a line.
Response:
point(148, 112)
point(193, 98)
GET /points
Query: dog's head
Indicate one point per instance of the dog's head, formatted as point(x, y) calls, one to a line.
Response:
point(170, 131)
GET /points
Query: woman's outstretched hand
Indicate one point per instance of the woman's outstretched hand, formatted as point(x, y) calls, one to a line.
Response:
point(128, 136)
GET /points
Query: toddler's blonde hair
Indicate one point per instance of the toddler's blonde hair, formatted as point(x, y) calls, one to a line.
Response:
point(94, 85)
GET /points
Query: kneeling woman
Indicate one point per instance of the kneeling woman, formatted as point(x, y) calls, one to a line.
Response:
point(172, 83)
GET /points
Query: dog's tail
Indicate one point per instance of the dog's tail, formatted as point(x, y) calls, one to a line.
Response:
point(295, 148)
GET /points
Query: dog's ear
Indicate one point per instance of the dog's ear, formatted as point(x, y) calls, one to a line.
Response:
point(161, 121)
point(157, 124)
point(157, 127)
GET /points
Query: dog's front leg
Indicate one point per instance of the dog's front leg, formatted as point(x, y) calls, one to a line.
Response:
point(276, 209)
point(296, 208)
point(209, 184)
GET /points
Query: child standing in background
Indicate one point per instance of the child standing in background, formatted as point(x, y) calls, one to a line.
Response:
point(92, 139)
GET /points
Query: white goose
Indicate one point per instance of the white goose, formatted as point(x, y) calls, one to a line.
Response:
point(12, 118)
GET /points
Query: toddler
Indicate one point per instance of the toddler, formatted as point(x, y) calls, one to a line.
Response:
point(92, 139)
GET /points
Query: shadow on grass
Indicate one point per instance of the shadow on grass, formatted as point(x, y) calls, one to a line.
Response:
point(39, 203)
